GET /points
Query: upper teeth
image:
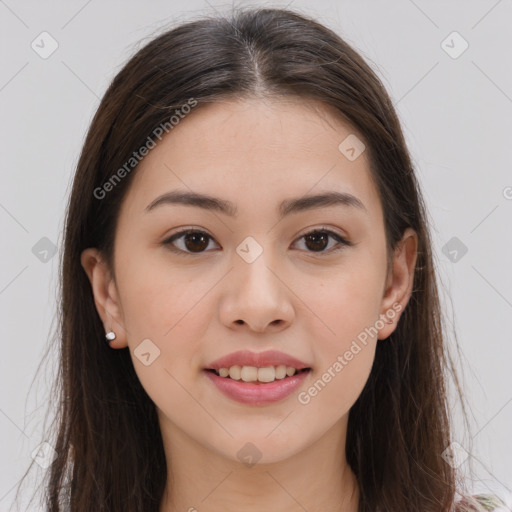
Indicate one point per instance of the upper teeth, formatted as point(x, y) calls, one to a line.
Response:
point(253, 374)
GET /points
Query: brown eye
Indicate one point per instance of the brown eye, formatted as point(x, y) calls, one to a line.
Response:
point(318, 241)
point(191, 241)
point(196, 242)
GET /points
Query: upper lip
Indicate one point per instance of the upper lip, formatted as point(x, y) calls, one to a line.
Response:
point(258, 359)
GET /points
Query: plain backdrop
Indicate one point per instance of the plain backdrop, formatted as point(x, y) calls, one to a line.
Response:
point(452, 91)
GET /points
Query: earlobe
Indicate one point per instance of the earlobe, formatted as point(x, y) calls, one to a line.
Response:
point(399, 283)
point(105, 296)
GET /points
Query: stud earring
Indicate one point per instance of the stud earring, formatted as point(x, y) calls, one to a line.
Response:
point(110, 335)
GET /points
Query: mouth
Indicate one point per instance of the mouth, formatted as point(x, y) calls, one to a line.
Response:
point(257, 386)
point(257, 375)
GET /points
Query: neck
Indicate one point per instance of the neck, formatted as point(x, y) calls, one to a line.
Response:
point(316, 478)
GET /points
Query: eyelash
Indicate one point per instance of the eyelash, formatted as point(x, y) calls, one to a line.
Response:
point(341, 241)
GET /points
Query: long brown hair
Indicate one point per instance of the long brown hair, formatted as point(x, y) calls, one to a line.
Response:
point(108, 441)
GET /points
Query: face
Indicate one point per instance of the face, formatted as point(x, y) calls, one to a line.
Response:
point(254, 280)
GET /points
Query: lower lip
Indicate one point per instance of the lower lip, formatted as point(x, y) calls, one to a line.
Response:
point(257, 393)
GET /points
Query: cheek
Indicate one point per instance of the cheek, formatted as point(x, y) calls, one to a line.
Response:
point(345, 301)
point(162, 301)
point(173, 311)
point(348, 307)
point(344, 346)
point(334, 390)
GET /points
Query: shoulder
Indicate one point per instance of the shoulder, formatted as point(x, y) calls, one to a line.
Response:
point(483, 503)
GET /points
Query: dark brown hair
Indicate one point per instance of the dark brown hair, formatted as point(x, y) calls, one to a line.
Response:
point(108, 441)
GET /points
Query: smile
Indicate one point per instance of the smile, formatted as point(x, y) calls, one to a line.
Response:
point(251, 387)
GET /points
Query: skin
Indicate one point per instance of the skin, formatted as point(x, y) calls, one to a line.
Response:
point(297, 297)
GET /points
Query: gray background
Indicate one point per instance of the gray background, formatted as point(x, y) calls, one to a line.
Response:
point(457, 118)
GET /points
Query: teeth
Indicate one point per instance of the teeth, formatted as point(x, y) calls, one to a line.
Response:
point(290, 371)
point(249, 373)
point(253, 374)
point(235, 372)
point(280, 371)
point(267, 374)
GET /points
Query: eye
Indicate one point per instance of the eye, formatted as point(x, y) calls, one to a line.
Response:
point(318, 240)
point(191, 241)
point(196, 241)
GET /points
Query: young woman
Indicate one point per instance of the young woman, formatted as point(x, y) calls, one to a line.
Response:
point(250, 315)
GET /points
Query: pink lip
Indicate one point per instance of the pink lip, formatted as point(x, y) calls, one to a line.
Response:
point(258, 359)
point(257, 393)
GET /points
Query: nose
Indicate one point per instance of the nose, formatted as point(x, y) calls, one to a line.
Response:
point(256, 297)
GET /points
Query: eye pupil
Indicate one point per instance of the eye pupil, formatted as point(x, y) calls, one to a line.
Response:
point(316, 237)
point(196, 237)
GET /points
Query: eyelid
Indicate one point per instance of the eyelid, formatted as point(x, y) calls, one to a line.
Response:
point(323, 229)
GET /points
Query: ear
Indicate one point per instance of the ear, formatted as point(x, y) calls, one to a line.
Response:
point(399, 282)
point(105, 295)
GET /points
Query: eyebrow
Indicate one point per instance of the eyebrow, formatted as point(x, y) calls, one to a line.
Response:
point(287, 207)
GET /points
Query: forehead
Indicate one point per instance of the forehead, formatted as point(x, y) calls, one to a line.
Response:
point(254, 150)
